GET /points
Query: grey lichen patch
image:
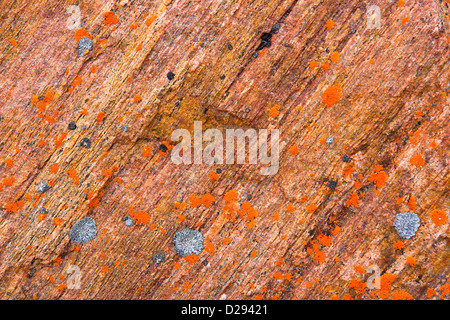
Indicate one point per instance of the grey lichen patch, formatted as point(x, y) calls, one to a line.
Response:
point(187, 242)
point(83, 230)
point(85, 142)
point(83, 45)
point(407, 224)
point(128, 221)
point(43, 186)
point(158, 257)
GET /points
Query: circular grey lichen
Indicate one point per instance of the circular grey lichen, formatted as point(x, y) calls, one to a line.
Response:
point(84, 44)
point(43, 186)
point(128, 221)
point(158, 257)
point(187, 242)
point(407, 224)
point(83, 230)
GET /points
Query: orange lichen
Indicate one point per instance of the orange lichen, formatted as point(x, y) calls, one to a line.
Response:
point(405, 20)
point(100, 116)
point(379, 177)
point(137, 98)
point(313, 64)
point(110, 18)
point(332, 95)
point(150, 20)
point(213, 176)
point(207, 200)
point(411, 261)
point(274, 111)
point(146, 151)
point(358, 285)
point(335, 56)
point(194, 201)
point(359, 269)
point(231, 196)
point(399, 245)
point(439, 217)
point(401, 295)
point(353, 200)
point(412, 203)
point(59, 140)
point(290, 208)
point(278, 275)
point(9, 162)
point(192, 258)
point(430, 293)
point(417, 160)
point(81, 33)
point(108, 172)
point(293, 150)
point(8, 181)
point(209, 247)
point(311, 208)
point(73, 174)
point(57, 221)
point(330, 24)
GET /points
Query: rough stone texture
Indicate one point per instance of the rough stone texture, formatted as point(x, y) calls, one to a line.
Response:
point(306, 239)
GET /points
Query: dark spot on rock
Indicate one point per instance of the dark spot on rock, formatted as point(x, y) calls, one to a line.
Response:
point(346, 158)
point(170, 75)
point(249, 197)
point(332, 184)
point(230, 47)
point(265, 41)
point(158, 257)
point(205, 262)
point(163, 147)
point(275, 28)
point(43, 186)
point(72, 126)
point(85, 142)
point(222, 77)
point(218, 170)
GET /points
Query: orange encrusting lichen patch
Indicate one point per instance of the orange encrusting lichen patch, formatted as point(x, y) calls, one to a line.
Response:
point(73, 174)
point(100, 116)
point(439, 217)
point(380, 178)
point(274, 111)
point(81, 33)
point(110, 18)
point(330, 24)
point(353, 200)
point(334, 56)
point(332, 95)
point(417, 160)
point(411, 261)
point(140, 217)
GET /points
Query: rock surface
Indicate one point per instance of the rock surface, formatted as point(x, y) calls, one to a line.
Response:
point(334, 87)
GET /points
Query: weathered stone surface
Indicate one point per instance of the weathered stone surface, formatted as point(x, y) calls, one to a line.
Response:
point(378, 98)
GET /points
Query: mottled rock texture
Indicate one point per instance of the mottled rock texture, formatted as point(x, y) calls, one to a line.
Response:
point(363, 116)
